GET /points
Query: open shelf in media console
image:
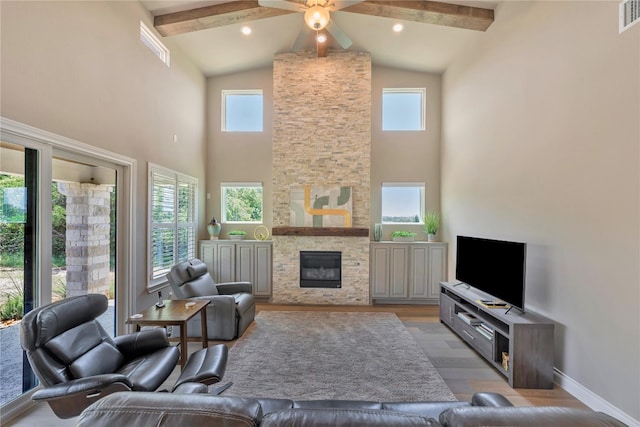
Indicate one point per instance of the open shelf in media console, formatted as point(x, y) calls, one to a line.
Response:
point(525, 338)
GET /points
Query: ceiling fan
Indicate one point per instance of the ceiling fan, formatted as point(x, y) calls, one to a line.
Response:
point(317, 18)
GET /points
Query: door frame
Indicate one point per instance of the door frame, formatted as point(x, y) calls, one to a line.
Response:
point(49, 144)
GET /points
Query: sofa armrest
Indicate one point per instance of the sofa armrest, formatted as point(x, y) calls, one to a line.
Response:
point(68, 399)
point(229, 288)
point(86, 385)
point(143, 342)
point(489, 399)
point(526, 417)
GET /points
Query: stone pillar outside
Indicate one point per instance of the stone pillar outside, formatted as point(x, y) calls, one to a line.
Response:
point(88, 236)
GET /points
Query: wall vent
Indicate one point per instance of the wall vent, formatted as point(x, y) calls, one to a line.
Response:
point(629, 14)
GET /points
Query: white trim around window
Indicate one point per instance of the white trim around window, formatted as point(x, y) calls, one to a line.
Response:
point(173, 222)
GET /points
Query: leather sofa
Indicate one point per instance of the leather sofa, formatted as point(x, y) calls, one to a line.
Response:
point(232, 307)
point(200, 409)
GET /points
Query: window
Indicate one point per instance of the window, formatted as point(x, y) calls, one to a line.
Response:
point(242, 111)
point(173, 206)
point(403, 109)
point(242, 202)
point(403, 202)
point(154, 44)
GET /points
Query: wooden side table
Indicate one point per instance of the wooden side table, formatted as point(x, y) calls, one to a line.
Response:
point(175, 313)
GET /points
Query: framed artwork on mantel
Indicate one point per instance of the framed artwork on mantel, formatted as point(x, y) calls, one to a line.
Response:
point(321, 206)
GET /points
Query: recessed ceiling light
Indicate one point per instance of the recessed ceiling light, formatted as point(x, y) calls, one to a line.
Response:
point(246, 30)
point(398, 27)
point(321, 38)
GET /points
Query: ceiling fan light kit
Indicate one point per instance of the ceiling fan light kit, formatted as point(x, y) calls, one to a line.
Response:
point(316, 17)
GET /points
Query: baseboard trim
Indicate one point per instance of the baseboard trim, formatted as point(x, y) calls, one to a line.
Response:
point(591, 399)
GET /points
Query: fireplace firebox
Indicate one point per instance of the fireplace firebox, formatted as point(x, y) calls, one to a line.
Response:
point(320, 269)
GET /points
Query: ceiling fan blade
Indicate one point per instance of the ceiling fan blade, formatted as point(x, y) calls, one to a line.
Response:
point(339, 35)
point(301, 40)
point(341, 4)
point(282, 4)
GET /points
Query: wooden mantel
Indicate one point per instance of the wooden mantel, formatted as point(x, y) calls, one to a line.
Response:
point(321, 231)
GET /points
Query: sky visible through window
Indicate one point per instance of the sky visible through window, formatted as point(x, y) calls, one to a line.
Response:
point(402, 111)
point(243, 112)
point(401, 204)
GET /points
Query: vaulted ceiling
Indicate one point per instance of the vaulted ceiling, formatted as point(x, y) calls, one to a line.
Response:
point(209, 32)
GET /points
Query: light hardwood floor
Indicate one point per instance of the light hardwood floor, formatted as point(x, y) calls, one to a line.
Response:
point(461, 368)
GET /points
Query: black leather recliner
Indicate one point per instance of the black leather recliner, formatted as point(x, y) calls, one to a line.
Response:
point(77, 362)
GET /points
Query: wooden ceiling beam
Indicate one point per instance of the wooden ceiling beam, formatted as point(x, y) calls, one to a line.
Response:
point(219, 15)
point(427, 12)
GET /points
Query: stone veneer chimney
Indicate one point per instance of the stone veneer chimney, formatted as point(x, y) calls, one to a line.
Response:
point(321, 136)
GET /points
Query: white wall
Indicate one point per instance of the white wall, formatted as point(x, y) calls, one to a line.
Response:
point(405, 156)
point(541, 144)
point(78, 69)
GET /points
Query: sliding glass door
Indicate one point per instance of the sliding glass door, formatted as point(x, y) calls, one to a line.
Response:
point(64, 208)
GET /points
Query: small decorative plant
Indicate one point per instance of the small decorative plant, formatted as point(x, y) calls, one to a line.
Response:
point(431, 224)
point(237, 234)
point(403, 234)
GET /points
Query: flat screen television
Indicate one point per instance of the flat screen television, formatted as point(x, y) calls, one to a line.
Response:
point(496, 267)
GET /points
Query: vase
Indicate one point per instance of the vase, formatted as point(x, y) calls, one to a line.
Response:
point(377, 232)
point(213, 228)
point(431, 238)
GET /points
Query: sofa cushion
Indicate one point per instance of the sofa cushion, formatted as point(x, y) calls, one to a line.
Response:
point(155, 409)
point(525, 417)
point(425, 409)
point(343, 417)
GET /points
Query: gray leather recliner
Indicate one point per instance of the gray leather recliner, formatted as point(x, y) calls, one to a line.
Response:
point(232, 307)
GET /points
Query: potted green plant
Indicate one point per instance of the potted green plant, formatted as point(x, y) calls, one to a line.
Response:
point(237, 234)
point(431, 225)
point(403, 236)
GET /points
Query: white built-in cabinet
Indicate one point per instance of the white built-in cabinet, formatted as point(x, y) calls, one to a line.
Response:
point(239, 261)
point(407, 271)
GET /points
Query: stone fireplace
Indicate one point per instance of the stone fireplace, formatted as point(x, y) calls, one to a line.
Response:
point(321, 136)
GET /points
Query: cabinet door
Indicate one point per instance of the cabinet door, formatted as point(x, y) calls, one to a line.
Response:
point(437, 270)
point(398, 269)
point(225, 263)
point(379, 270)
point(262, 278)
point(446, 309)
point(244, 262)
point(208, 256)
point(419, 277)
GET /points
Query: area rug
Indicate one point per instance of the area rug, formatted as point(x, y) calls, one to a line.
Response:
point(332, 355)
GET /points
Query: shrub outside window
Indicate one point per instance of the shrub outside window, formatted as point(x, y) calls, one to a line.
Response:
point(242, 202)
point(242, 111)
point(403, 203)
point(173, 221)
point(404, 109)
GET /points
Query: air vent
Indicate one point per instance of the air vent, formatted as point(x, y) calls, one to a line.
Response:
point(629, 14)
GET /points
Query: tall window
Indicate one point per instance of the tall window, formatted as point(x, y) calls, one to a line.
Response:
point(403, 109)
point(403, 202)
point(242, 202)
point(173, 206)
point(242, 111)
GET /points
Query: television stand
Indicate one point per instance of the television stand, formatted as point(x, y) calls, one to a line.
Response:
point(518, 345)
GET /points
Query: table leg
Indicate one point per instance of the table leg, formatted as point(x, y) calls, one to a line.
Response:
point(183, 345)
point(205, 333)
